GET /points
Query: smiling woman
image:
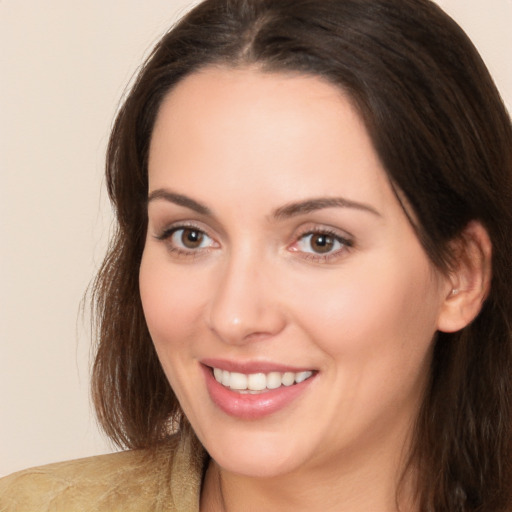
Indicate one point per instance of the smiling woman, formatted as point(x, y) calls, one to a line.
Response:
point(289, 307)
point(307, 303)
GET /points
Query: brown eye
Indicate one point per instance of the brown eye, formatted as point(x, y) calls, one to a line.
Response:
point(321, 242)
point(191, 238)
point(187, 239)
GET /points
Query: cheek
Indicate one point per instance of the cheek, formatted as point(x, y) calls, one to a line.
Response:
point(172, 302)
point(374, 316)
point(376, 331)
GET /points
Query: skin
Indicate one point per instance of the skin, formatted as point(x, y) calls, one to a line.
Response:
point(363, 316)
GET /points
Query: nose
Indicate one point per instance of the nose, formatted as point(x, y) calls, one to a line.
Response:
point(245, 305)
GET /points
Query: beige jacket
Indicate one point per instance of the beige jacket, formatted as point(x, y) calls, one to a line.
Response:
point(131, 481)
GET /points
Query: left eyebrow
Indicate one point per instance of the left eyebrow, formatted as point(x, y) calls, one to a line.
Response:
point(310, 205)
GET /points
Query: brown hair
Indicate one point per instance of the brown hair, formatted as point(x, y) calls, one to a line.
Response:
point(445, 139)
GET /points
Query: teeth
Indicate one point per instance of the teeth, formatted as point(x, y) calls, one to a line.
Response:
point(254, 382)
point(235, 380)
point(274, 380)
point(302, 376)
point(288, 378)
point(217, 374)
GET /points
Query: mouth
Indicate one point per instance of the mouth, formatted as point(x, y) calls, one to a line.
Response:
point(252, 390)
point(257, 383)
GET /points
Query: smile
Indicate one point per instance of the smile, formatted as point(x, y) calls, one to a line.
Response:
point(254, 383)
point(254, 390)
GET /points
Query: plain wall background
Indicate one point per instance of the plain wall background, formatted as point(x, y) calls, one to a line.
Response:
point(64, 67)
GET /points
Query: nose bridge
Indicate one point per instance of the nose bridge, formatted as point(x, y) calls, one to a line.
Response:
point(243, 305)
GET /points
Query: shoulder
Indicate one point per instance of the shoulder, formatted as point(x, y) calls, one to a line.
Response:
point(94, 483)
point(136, 480)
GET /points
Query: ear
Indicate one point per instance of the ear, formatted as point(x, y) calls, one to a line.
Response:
point(468, 283)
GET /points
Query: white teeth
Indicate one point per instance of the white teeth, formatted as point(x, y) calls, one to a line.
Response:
point(288, 378)
point(302, 376)
point(273, 380)
point(256, 382)
point(237, 381)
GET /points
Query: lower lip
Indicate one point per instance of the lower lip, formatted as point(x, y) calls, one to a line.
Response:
point(249, 406)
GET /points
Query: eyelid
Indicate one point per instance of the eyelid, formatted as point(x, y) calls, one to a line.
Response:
point(169, 229)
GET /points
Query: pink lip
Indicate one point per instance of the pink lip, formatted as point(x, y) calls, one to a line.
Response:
point(251, 406)
point(251, 366)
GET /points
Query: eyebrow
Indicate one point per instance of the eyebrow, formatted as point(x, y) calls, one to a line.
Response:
point(310, 205)
point(180, 200)
point(286, 211)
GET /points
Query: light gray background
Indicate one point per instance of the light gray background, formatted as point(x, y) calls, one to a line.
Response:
point(64, 67)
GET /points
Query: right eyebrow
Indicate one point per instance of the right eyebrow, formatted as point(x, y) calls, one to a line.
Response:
point(179, 199)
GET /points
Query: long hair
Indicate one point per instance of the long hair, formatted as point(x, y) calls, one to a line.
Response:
point(444, 138)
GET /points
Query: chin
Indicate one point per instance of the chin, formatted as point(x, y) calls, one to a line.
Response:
point(262, 456)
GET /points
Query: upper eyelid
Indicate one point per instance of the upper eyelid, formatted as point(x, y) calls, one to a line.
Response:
point(161, 220)
point(314, 228)
point(346, 241)
point(340, 238)
point(299, 232)
point(297, 210)
point(169, 228)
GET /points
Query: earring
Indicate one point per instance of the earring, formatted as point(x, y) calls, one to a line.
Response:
point(455, 291)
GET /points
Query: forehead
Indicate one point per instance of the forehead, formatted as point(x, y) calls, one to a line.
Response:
point(266, 131)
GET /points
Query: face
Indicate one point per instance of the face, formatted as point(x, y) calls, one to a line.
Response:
point(279, 262)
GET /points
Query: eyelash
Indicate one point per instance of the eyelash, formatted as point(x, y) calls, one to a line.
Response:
point(346, 243)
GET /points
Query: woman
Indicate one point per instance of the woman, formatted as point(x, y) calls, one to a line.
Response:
point(307, 302)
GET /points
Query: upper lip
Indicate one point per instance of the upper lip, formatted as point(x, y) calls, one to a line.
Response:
point(249, 367)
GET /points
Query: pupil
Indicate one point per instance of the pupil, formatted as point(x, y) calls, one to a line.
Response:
point(322, 243)
point(191, 238)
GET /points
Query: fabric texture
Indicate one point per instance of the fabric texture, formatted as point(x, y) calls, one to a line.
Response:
point(168, 480)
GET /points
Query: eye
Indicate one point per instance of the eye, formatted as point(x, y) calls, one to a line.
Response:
point(190, 238)
point(186, 240)
point(321, 244)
